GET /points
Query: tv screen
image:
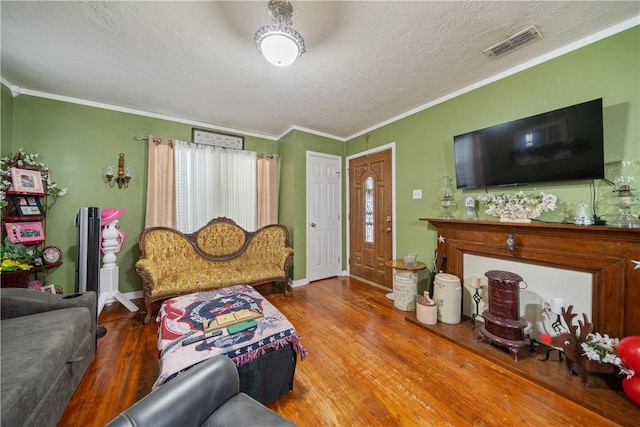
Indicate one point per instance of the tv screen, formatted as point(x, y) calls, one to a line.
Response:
point(561, 145)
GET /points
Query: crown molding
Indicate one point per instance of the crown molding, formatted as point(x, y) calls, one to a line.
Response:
point(625, 25)
point(16, 90)
point(313, 132)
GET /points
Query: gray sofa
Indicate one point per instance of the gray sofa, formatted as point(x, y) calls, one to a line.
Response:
point(48, 342)
point(206, 395)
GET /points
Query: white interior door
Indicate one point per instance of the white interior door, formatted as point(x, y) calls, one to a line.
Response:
point(324, 224)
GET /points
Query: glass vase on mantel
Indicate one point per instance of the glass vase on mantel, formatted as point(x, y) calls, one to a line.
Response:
point(447, 203)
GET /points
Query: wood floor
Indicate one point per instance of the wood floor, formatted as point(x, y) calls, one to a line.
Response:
point(367, 366)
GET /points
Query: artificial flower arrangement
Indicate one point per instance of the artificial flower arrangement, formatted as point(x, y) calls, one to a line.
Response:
point(602, 348)
point(15, 257)
point(518, 206)
point(623, 353)
point(24, 160)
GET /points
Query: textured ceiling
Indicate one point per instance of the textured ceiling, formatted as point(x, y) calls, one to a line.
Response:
point(367, 62)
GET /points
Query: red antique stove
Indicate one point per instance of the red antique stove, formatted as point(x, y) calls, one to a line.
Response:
point(503, 325)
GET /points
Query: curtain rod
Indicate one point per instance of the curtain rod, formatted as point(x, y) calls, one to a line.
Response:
point(259, 155)
point(156, 140)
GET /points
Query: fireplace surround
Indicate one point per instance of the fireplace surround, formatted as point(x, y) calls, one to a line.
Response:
point(607, 253)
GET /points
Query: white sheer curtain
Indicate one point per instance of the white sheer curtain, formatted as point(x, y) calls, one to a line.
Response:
point(213, 182)
point(197, 185)
point(238, 195)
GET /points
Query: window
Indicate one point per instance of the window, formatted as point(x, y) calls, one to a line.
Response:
point(368, 209)
point(213, 182)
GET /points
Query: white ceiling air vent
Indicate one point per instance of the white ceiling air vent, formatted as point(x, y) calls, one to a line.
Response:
point(514, 42)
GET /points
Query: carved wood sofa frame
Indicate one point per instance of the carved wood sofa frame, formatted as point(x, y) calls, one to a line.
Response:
point(219, 254)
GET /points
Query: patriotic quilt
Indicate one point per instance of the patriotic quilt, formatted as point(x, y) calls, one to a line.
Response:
point(182, 317)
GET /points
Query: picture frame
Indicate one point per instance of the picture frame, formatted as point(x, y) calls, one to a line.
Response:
point(49, 288)
point(26, 181)
point(27, 205)
point(25, 232)
point(217, 139)
point(36, 285)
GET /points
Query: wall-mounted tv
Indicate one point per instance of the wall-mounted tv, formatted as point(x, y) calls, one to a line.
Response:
point(560, 145)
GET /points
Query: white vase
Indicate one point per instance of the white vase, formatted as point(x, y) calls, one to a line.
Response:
point(522, 220)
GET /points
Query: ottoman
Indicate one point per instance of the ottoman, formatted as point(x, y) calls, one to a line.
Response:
point(265, 356)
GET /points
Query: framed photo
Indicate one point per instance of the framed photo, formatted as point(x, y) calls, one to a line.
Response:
point(217, 139)
point(36, 285)
point(25, 232)
point(26, 180)
point(49, 288)
point(27, 205)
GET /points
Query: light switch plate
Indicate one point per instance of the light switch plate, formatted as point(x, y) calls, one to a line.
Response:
point(417, 194)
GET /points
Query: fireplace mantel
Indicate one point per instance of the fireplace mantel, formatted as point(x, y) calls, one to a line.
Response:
point(605, 252)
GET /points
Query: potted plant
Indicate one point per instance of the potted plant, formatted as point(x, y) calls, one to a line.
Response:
point(17, 263)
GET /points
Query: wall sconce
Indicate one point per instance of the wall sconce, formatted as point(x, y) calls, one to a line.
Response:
point(123, 177)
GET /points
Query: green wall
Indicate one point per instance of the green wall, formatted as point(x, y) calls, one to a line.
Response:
point(293, 149)
point(6, 121)
point(78, 142)
point(609, 69)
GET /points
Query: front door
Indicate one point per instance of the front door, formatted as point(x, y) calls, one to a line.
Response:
point(370, 217)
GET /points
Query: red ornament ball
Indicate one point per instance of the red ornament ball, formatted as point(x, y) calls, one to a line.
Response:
point(629, 351)
point(631, 388)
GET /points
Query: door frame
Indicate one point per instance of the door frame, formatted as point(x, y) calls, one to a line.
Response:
point(339, 208)
point(392, 146)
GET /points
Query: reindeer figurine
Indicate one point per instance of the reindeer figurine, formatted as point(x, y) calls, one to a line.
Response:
point(570, 344)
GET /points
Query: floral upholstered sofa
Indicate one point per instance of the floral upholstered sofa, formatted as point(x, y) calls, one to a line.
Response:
point(219, 254)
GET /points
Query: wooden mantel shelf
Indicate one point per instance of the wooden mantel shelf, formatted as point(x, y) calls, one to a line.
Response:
point(607, 253)
point(632, 234)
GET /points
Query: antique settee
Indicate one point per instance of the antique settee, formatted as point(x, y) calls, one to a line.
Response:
point(221, 253)
point(48, 343)
point(206, 395)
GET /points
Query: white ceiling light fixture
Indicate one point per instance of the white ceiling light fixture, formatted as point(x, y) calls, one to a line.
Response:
point(278, 42)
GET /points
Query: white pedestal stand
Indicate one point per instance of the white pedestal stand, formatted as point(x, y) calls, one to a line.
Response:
point(109, 291)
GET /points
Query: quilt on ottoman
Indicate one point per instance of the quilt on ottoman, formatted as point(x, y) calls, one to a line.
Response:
point(182, 317)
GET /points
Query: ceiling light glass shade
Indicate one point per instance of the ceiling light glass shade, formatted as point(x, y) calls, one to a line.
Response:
point(278, 42)
point(280, 47)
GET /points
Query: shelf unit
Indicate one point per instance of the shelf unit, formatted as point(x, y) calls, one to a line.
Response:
point(11, 215)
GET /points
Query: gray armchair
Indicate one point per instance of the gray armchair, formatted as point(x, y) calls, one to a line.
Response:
point(206, 395)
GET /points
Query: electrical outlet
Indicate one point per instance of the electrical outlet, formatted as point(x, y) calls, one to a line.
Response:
point(417, 194)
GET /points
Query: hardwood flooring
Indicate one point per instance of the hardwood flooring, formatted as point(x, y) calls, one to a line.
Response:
point(366, 366)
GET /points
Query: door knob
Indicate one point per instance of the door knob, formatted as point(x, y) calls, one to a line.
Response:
point(313, 224)
point(387, 230)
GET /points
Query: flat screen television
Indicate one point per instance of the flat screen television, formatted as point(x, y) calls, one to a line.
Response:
point(560, 145)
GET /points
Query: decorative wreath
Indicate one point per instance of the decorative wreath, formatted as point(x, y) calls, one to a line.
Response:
point(24, 160)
